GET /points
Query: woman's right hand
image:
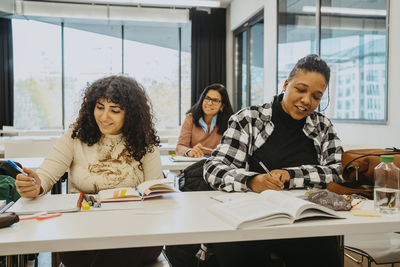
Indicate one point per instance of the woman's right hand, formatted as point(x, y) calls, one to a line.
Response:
point(265, 181)
point(196, 152)
point(28, 186)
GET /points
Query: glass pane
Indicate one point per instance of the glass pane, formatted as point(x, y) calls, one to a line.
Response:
point(152, 58)
point(296, 34)
point(257, 63)
point(353, 42)
point(91, 52)
point(37, 75)
point(241, 70)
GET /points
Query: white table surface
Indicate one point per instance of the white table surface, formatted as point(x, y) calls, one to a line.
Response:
point(180, 218)
point(166, 163)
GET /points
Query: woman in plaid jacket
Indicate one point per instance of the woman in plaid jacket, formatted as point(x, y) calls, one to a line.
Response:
point(300, 148)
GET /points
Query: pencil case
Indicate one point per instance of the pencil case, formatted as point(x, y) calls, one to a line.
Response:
point(7, 219)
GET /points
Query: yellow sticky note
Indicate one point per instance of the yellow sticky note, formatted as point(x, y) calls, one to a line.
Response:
point(122, 193)
point(365, 213)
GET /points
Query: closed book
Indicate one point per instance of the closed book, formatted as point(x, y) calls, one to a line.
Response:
point(46, 203)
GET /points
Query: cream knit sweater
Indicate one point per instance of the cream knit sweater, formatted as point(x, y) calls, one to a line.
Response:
point(103, 165)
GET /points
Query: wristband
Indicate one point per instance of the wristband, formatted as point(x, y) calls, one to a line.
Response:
point(187, 151)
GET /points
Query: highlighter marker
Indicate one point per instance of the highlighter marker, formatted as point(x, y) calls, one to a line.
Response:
point(17, 167)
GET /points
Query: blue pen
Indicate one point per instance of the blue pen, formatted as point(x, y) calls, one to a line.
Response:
point(17, 167)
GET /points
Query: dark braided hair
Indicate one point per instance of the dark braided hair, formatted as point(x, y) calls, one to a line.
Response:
point(138, 129)
point(311, 63)
point(223, 116)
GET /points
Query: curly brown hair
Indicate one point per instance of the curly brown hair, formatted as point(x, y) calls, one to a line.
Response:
point(138, 129)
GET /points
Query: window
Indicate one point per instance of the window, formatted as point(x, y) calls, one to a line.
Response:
point(37, 75)
point(351, 36)
point(154, 61)
point(249, 62)
point(157, 56)
point(90, 52)
point(296, 35)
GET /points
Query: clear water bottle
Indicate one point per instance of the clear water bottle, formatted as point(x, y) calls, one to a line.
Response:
point(387, 187)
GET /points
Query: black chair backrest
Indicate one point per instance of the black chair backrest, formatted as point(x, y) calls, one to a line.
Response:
point(7, 169)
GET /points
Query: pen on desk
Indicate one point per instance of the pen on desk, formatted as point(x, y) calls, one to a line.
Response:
point(80, 199)
point(6, 207)
point(17, 167)
point(97, 203)
point(92, 199)
point(88, 200)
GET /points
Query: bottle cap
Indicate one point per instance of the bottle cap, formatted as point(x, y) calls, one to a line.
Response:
point(387, 158)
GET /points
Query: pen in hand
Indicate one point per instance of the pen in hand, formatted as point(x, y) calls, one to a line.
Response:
point(20, 170)
point(17, 167)
point(264, 167)
point(267, 171)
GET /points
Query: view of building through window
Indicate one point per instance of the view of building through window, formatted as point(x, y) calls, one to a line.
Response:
point(92, 52)
point(353, 42)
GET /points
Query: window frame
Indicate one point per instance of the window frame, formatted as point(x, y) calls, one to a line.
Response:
point(122, 40)
point(245, 27)
point(317, 41)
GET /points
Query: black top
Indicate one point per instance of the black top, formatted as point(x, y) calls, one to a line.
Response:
point(287, 146)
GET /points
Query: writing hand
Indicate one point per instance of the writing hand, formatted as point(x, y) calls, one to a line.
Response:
point(197, 151)
point(285, 176)
point(28, 186)
point(265, 181)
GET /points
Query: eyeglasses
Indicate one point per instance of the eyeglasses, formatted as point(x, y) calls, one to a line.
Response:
point(214, 101)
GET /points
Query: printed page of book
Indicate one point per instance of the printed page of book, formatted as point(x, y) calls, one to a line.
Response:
point(119, 194)
point(46, 203)
point(251, 212)
point(157, 186)
point(296, 207)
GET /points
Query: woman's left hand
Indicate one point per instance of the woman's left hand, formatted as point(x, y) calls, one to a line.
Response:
point(197, 151)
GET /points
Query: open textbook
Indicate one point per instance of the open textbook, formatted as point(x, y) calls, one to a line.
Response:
point(151, 188)
point(250, 210)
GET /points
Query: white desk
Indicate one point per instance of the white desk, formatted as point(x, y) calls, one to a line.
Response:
point(167, 149)
point(180, 218)
point(166, 163)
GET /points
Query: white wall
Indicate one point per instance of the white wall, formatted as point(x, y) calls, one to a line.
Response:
point(350, 133)
point(7, 6)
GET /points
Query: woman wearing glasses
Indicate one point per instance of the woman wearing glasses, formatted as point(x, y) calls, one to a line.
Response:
point(205, 122)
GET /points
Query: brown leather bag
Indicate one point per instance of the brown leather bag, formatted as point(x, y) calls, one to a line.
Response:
point(358, 171)
point(358, 165)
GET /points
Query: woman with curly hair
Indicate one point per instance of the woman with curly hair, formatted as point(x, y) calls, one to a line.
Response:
point(112, 144)
point(205, 122)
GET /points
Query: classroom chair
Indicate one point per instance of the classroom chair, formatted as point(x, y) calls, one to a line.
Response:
point(381, 248)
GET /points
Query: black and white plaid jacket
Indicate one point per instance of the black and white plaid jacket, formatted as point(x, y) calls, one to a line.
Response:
point(228, 169)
